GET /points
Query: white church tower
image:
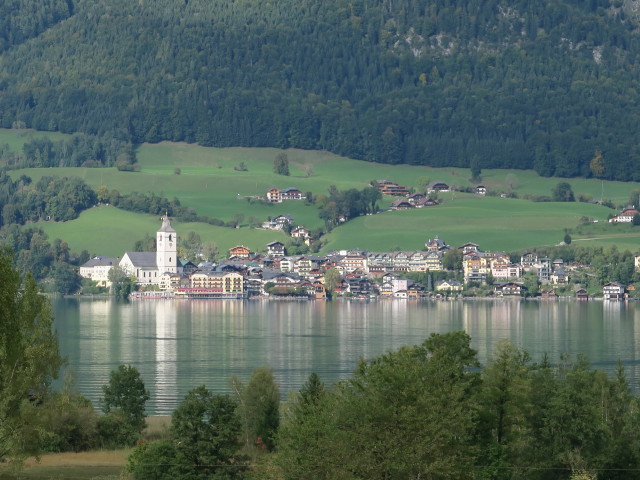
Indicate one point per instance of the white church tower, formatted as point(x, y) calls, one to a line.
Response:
point(166, 248)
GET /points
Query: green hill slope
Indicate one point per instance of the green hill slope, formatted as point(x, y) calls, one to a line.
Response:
point(498, 83)
point(110, 231)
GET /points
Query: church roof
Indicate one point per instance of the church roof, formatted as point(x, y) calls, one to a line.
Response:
point(166, 225)
point(100, 261)
point(142, 259)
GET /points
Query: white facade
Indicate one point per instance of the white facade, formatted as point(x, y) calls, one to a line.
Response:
point(166, 248)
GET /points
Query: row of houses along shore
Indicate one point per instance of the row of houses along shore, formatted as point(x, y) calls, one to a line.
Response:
point(360, 273)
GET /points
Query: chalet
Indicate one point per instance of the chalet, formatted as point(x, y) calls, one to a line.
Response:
point(415, 197)
point(437, 186)
point(276, 249)
point(433, 261)
point(354, 260)
point(508, 288)
point(415, 291)
point(392, 283)
point(475, 268)
point(172, 281)
point(301, 232)
point(276, 195)
point(401, 261)
point(278, 223)
point(559, 277)
point(239, 251)
point(302, 266)
point(502, 268)
point(283, 220)
point(379, 259)
point(435, 244)
point(582, 294)
point(389, 188)
point(291, 194)
point(359, 286)
point(187, 266)
point(426, 202)
point(448, 286)
point(480, 190)
point(613, 291)
point(625, 216)
point(401, 204)
point(468, 248)
point(319, 291)
point(417, 261)
point(97, 269)
point(548, 295)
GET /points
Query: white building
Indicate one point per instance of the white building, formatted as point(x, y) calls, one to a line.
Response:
point(97, 269)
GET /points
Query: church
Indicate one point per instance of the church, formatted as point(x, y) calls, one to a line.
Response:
point(149, 267)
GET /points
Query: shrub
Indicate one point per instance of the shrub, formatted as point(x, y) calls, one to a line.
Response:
point(69, 421)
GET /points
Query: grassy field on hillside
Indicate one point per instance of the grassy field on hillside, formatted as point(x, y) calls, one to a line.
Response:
point(111, 231)
point(17, 138)
point(492, 222)
point(211, 184)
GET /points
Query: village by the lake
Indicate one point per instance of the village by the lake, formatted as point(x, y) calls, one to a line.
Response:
point(439, 270)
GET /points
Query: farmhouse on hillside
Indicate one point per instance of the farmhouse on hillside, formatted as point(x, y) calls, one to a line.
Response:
point(275, 195)
point(625, 216)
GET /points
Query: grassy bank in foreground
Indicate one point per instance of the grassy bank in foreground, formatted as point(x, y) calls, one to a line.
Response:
point(107, 464)
point(96, 464)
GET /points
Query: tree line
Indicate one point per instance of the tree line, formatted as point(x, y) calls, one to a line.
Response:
point(78, 151)
point(523, 84)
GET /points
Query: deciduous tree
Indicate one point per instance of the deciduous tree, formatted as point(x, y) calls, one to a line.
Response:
point(29, 359)
point(259, 402)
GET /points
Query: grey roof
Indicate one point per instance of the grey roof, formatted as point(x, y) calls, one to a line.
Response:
point(166, 225)
point(143, 259)
point(99, 261)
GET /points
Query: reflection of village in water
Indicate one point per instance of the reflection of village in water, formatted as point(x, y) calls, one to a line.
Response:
point(179, 345)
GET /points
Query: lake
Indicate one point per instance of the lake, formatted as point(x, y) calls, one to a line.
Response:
point(180, 344)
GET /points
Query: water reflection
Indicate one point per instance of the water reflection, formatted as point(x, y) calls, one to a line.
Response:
point(178, 345)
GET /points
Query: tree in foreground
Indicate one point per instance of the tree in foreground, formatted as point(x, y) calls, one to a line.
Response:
point(203, 442)
point(124, 401)
point(259, 402)
point(29, 359)
point(405, 414)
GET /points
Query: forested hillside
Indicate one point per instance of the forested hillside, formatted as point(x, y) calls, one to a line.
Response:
point(549, 85)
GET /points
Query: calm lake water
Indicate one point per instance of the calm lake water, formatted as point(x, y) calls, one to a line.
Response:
point(180, 344)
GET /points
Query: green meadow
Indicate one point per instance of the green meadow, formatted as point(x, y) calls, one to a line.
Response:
point(110, 231)
point(17, 138)
point(494, 223)
point(210, 182)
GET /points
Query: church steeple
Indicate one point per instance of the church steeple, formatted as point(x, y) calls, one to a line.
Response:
point(166, 247)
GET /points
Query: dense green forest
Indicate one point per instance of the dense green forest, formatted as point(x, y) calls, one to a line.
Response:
point(495, 83)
